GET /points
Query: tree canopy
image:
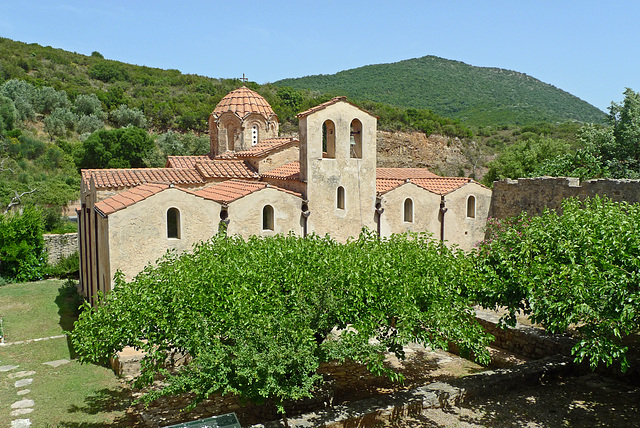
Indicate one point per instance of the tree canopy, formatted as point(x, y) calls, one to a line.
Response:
point(576, 269)
point(238, 307)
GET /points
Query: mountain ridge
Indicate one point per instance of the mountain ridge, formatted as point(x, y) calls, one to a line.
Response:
point(474, 95)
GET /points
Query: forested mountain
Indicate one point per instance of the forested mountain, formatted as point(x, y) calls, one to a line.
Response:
point(474, 95)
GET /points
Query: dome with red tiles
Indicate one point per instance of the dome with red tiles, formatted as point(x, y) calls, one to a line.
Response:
point(243, 101)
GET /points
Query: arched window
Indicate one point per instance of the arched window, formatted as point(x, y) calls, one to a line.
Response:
point(254, 135)
point(173, 223)
point(340, 198)
point(328, 139)
point(408, 211)
point(471, 207)
point(267, 217)
point(355, 147)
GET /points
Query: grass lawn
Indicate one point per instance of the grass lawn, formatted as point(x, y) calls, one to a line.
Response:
point(71, 395)
point(35, 309)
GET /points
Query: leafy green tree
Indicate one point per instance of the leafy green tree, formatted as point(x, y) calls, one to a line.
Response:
point(125, 116)
point(8, 114)
point(576, 269)
point(22, 250)
point(238, 307)
point(523, 158)
point(60, 121)
point(88, 124)
point(88, 105)
point(625, 120)
point(23, 95)
point(47, 99)
point(118, 148)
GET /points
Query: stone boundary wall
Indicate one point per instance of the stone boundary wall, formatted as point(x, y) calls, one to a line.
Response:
point(59, 246)
point(523, 340)
point(533, 195)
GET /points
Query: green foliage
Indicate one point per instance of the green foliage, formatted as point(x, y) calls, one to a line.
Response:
point(22, 251)
point(125, 116)
point(474, 95)
point(66, 268)
point(578, 269)
point(237, 308)
point(118, 148)
point(8, 114)
point(524, 158)
point(605, 152)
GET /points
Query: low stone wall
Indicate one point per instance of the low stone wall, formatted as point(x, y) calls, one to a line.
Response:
point(533, 195)
point(59, 246)
point(526, 341)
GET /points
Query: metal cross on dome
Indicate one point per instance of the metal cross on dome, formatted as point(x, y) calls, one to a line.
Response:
point(244, 79)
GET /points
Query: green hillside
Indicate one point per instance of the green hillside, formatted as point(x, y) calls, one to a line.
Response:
point(475, 95)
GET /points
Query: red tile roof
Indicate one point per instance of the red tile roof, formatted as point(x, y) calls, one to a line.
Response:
point(404, 173)
point(327, 104)
point(185, 161)
point(117, 178)
point(243, 101)
point(130, 197)
point(437, 185)
point(265, 147)
point(220, 168)
point(288, 171)
point(383, 185)
point(231, 190)
point(441, 185)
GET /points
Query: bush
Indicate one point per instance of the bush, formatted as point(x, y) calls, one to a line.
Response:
point(579, 269)
point(22, 250)
point(66, 268)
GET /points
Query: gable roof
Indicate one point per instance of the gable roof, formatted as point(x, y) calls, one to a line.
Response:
point(117, 178)
point(231, 190)
point(223, 168)
point(128, 198)
point(329, 103)
point(185, 161)
point(404, 173)
point(288, 171)
point(265, 147)
point(438, 185)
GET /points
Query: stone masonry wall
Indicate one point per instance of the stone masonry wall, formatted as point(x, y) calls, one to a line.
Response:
point(533, 195)
point(59, 246)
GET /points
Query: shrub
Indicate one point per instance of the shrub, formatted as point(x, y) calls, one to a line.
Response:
point(579, 268)
point(22, 250)
point(66, 268)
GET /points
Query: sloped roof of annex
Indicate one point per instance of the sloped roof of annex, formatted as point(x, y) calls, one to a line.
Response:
point(232, 190)
point(438, 185)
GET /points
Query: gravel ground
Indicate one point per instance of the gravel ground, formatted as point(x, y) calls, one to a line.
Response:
point(586, 401)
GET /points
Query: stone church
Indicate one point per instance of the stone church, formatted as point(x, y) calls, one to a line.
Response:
point(255, 183)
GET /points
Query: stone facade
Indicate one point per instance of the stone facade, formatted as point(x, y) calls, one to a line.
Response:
point(325, 183)
point(533, 195)
point(59, 246)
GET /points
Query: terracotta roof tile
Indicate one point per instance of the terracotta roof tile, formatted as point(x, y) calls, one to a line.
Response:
point(404, 173)
point(288, 171)
point(327, 104)
point(118, 178)
point(383, 185)
point(243, 101)
point(231, 190)
point(437, 185)
point(220, 168)
point(441, 185)
point(185, 161)
point(265, 147)
point(128, 198)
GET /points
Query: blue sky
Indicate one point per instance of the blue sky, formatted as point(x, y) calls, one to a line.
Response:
point(588, 48)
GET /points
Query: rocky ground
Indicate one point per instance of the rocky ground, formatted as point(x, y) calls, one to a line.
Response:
point(442, 155)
